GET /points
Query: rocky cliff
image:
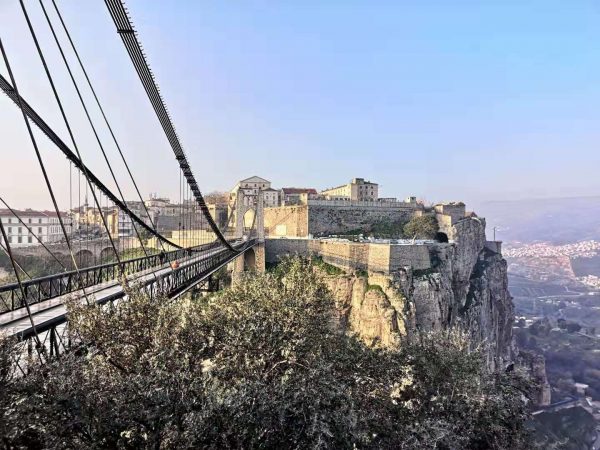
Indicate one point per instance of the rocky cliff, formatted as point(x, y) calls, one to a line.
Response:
point(466, 286)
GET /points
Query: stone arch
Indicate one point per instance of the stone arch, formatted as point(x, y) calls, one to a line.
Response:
point(107, 254)
point(249, 217)
point(440, 236)
point(250, 260)
point(84, 257)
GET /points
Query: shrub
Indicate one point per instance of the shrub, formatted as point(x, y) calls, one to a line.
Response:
point(421, 227)
point(259, 365)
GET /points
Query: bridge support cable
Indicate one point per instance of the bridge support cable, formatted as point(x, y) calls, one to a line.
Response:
point(22, 269)
point(71, 156)
point(136, 54)
point(114, 138)
point(68, 125)
point(16, 272)
point(83, 104)
point(14, 213)
point(44, 173)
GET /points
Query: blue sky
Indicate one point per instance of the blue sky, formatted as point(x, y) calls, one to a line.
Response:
point(444, 100)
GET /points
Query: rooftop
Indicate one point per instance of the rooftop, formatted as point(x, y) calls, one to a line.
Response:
point(293, 190)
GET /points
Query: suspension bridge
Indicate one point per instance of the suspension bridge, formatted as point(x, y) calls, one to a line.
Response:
point(105, 245)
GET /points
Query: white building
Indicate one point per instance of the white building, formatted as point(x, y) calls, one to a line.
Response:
point(43, 224)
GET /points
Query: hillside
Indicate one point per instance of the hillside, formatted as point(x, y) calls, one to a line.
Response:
point(554, 220)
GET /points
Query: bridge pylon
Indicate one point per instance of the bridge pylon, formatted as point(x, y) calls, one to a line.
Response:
point(253, 259)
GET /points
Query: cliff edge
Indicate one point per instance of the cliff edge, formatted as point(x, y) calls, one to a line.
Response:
point(466, 286)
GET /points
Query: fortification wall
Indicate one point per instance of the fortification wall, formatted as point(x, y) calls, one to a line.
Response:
point(291, 221)
point(276, 248)
point(326, 218)
point(415, 256)
point(351, 256)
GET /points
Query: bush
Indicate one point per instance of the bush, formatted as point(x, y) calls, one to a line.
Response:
point(260, 365)
point(421, 227)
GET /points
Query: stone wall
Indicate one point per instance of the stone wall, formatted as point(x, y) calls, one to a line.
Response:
point(277, 248)
point(325, 219)
point(416, 256)
point(351, 256)
point(494, 246)
point(291, 221)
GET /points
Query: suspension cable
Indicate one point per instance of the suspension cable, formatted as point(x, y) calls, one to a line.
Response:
point(44, 173)
point(135, 185)
point(68, 125)
point(132, 44)
point(112, 173)
point(22, 289)
point(14, 213)
point(71, 156)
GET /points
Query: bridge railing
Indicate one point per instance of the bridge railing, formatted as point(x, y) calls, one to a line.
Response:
point(48, 287)
point(171, 283)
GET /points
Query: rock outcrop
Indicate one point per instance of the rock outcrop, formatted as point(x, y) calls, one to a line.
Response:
point(466, 286)
point(536, 365)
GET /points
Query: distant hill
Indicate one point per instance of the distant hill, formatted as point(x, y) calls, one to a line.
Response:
point(556, 220)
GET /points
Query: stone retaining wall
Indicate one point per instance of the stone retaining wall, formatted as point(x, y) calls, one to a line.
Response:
point(384, 258)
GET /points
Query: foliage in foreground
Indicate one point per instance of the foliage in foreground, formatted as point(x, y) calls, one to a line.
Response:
point(260, 365)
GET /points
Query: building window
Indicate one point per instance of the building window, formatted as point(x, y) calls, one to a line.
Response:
point(20, 230)
point(39, 220)
point(28, 220)
point(9, 220)
point(29, 239)
point(39, 230)
point(9, 230)
point(20, 239)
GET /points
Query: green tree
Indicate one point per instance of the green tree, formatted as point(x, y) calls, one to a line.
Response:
point(421, 227)
point(260, 365)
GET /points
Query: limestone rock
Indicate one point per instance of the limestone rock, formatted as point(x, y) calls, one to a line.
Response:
point(466, 286)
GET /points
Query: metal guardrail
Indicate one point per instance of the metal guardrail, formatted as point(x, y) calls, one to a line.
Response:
point(48, 287)
point(171, 284)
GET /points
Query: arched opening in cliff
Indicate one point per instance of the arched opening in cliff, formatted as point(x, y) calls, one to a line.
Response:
point(442, 237)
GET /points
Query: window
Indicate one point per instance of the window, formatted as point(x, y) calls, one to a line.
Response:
point(29, 239)
point(9, 220)
point(20, 239)
point(9, 230)
point(28, 220)
point(20, 230)
point(39, 220)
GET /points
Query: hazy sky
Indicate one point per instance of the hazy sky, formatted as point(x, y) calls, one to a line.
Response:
point(439, 99)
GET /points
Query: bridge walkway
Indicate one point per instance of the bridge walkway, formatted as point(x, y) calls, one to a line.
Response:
point(48, 313)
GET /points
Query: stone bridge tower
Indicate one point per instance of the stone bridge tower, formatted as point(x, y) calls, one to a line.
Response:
point(254, 258)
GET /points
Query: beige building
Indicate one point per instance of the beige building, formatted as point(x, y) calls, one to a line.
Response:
point(251, 186)
point(357, 190)
point(297, 196)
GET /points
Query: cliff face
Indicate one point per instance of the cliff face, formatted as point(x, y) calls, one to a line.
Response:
point(467, 286)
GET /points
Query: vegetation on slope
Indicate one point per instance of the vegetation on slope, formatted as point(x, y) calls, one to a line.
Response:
point(259, 365)
point(421, 227)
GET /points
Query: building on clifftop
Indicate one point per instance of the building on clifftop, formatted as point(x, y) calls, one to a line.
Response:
point(357, 190)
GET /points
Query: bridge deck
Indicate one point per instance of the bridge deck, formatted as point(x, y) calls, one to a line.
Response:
point(53, 311)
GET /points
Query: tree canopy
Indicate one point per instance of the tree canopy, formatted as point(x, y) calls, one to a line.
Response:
point(259, 365)
point(421, 227)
